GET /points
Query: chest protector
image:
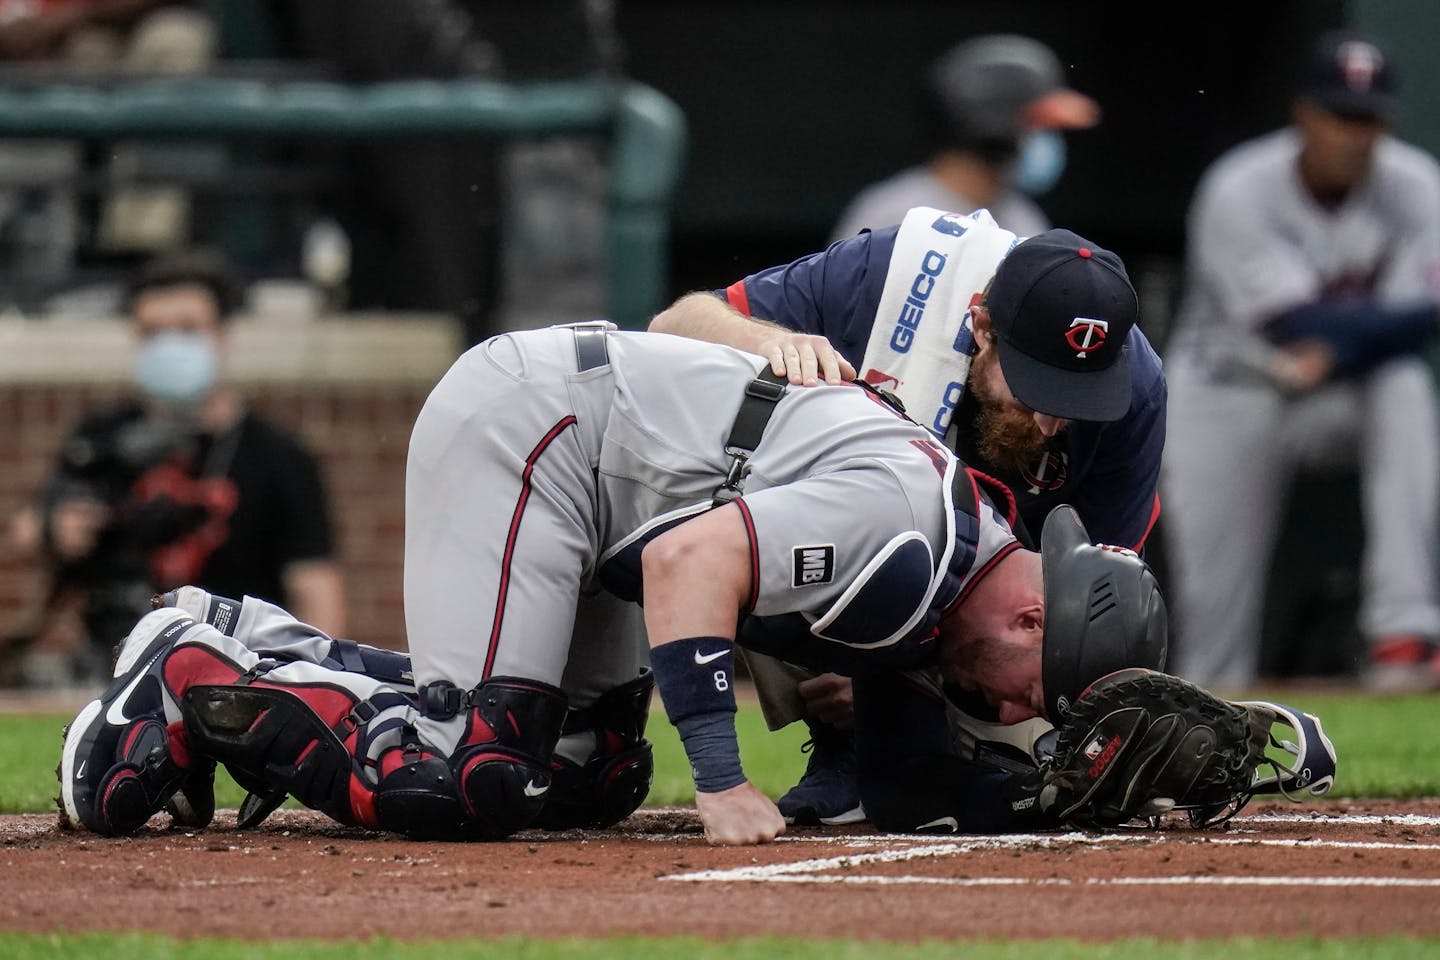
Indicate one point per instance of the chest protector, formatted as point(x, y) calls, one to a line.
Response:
point(890, 615)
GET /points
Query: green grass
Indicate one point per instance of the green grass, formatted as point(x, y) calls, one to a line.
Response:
point(64, 947)
point(1385, 748)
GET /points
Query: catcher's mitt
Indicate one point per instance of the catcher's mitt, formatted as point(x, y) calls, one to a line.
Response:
point(1139, 743)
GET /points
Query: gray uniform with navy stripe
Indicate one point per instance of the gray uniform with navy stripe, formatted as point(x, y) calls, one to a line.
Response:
point(532, 485)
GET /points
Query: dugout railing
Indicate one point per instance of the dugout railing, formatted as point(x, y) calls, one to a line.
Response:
point(645, 132)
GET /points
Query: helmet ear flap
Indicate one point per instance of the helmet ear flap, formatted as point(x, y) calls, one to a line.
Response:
point(1103, 612)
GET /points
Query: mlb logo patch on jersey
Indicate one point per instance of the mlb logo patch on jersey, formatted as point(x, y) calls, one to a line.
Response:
point(814, 565)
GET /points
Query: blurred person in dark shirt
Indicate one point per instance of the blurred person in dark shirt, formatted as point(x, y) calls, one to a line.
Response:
point(183, 484)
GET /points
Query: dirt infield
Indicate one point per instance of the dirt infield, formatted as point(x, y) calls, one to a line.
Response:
point(1326, 870)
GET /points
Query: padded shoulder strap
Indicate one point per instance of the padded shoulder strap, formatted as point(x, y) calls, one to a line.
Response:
point(971, 486)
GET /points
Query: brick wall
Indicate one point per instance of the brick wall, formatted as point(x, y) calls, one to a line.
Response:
point(355, 414)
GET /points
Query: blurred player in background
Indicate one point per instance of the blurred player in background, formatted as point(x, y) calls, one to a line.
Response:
point(1312, 281)
point(993, 108)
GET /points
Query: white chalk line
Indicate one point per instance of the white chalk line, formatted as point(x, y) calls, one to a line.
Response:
point(1378, 819)
point(896, 849)
point(1178, 881)
point(794, 869)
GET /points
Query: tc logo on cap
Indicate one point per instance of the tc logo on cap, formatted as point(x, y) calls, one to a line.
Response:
point(1086, 334)
point(1062, 309)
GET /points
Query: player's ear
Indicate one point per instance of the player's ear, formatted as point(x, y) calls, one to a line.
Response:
point(980, 323)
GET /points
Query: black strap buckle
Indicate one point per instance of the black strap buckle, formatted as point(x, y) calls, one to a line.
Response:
point(410, 747)
point(362, 713)
point(591, 349)
point(440, 700)
point(761, 396)
point(733, 485)
point(256, 672)
point(766, 389)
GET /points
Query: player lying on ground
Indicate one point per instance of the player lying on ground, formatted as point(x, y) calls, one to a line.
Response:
point(552, 475)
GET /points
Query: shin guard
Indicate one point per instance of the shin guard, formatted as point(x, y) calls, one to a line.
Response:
point(503, 761)
point(498, 778)
point(275, 741)
point(613, 782)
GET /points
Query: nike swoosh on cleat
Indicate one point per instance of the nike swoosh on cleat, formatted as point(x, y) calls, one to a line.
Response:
point(702, 660)
point(80, 771)
point(533, 791)
point(116, 713)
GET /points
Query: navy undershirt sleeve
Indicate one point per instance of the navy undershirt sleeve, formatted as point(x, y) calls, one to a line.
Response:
point(1118, 497)
point(1361, 332)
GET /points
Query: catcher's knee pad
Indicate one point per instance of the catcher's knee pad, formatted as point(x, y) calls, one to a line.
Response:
point(503, 763)
point(421, 798)
point(271, 740)
point(609, 785)
point(498, 778)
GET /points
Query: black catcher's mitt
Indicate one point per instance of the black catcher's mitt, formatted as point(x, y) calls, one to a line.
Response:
point(1139, 743)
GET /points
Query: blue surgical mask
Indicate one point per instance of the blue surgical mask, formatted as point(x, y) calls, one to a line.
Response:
point(177, 367)
point(1040, 163)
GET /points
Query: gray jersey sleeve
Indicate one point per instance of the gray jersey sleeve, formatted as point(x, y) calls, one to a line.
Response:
point(814, 538)
point(1259, 245)
point(1410, 192)
point(1240, 254)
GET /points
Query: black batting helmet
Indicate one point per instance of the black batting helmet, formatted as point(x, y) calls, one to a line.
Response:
point(985, 92)
point(1103, 611)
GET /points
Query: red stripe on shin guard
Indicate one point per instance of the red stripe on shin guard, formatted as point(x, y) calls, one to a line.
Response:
point(362, 803)
point(192, 664)
point(179, 744)
point(328, 703)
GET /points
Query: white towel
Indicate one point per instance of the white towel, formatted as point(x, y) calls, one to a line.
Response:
point(922, 340)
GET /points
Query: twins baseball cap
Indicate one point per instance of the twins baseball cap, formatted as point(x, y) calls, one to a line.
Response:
point(1350, 75)
point(1061, 308)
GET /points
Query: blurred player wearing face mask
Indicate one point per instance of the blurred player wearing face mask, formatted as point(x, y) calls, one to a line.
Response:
point(994, 108)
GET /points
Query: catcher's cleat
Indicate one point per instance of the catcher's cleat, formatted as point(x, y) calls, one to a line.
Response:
point(120, 763)
point(828, 793)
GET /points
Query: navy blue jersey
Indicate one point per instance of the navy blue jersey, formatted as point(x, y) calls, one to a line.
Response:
point(1108, 471)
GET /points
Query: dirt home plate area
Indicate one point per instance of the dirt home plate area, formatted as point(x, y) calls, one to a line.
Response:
point(1333, 869)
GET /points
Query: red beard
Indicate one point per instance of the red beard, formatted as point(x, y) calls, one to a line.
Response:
point(1008, 436)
